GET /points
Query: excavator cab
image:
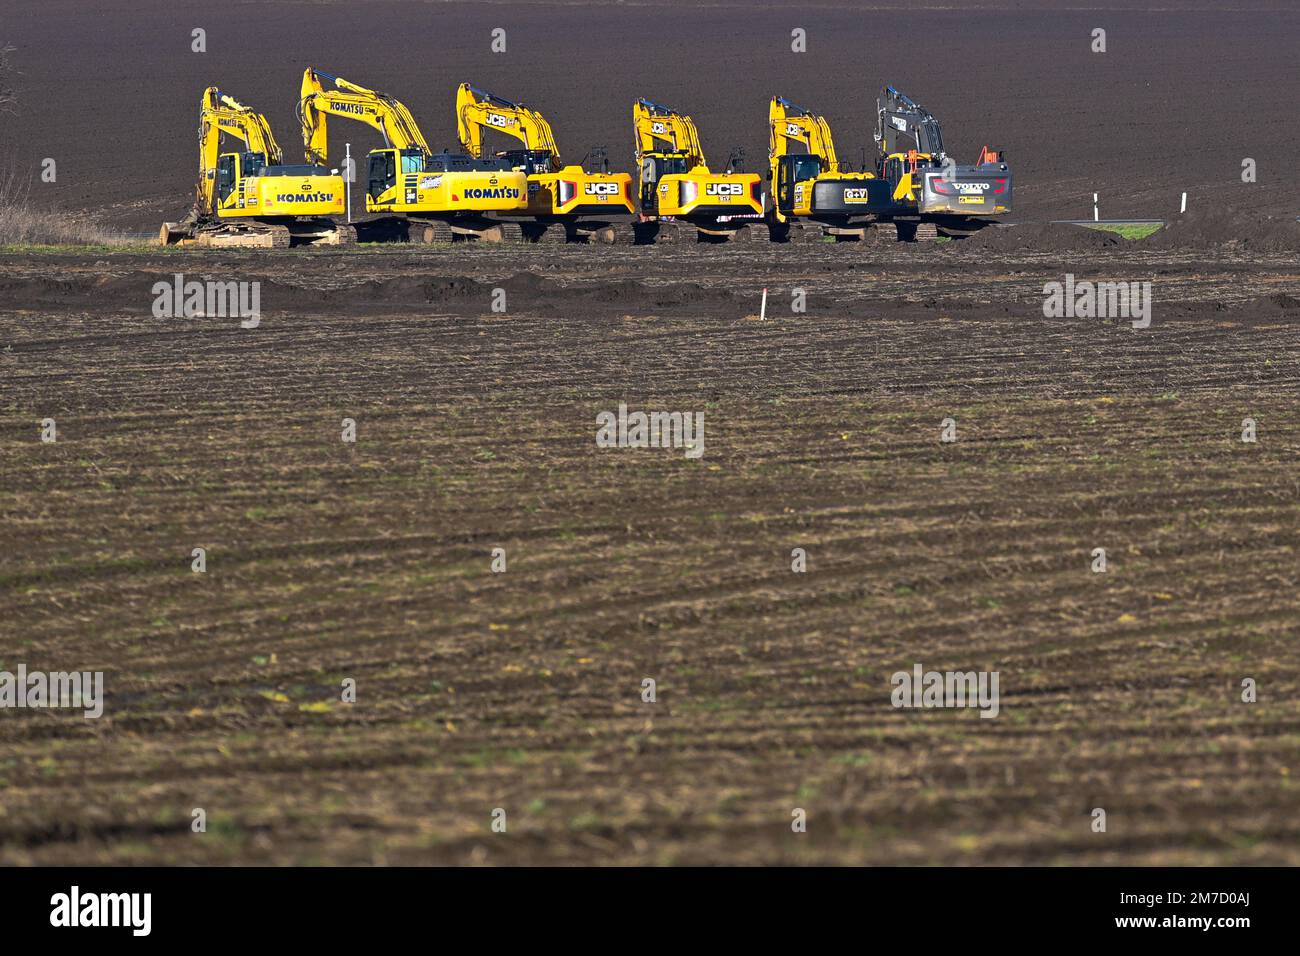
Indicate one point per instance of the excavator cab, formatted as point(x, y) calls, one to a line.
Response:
point(232, 168)
point(227, 177)
point(387, 164)
point(900, 171)
point(382, 174)
point(531, 162)
point(892, 169)
point(792, 169)
point(654, 167)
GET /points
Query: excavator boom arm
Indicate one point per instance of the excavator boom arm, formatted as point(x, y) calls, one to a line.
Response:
point(788, 123)
point(898, 115)
point(654, 124)
point(219, 113)
point(478, 111)
point(350, 100)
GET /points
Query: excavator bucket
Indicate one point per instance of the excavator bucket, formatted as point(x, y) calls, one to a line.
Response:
point(174, 234)
point(180, 233)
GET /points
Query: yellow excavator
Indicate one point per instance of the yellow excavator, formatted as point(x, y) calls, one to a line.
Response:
point(577, 202)
point(249, 198)
point(676, 185)
point(441, 196)
point(809, 185)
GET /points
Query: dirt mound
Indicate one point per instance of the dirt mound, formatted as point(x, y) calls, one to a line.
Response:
point(101, 290)
point(1215, 228)
point(1042, 237)
point(402, 289)
point(133, 291)
point(1277, 305)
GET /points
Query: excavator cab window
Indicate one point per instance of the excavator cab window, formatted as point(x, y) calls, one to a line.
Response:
point(800, 167)
point(673, 166)
point(383, 172)
point(893, 170)
point(253, 163)
point(529, 161)
point(227, 174)
point(654, 168)
point(412, 161)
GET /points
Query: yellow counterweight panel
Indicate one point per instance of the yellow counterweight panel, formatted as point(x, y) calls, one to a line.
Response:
point(573, 190)
point(454, 192)
point(681, 194)
point(292, 196)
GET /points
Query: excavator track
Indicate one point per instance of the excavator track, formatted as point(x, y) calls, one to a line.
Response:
point(659, 232)
point(792, 232)
point(735, 231)
point(428, 231)
point(909, 230)
point(321, 233)
point(593, 233)
point(542, 233)
point(281, 237)
point(963, 229)
point(846, 233)
point(476, 229)
point(803, 233)
point(226, 235)
point(516, 232)
point(620, 234)
point(553, 235)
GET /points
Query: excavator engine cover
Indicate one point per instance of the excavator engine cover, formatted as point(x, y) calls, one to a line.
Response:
point(849, 197)
point(967, 191)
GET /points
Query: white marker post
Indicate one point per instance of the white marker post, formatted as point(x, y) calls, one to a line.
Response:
point(1183, 207)
point(762, 312)
point(1096, 216)
point(349, 174)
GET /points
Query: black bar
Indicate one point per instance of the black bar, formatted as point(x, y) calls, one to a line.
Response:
point(616, 907)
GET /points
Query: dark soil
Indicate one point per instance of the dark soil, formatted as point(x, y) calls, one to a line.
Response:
point(371, 561)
